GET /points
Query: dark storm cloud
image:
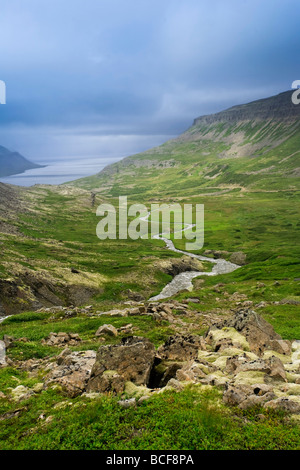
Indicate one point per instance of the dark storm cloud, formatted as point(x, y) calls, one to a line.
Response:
point(137, 67)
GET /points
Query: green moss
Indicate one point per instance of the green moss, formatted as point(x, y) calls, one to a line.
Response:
point(193, 419)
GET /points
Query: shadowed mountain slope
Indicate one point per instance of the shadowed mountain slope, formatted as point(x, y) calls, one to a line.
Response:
point(250, 146)
point(12, 163)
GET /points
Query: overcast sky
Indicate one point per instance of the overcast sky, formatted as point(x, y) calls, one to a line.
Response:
point(113, 77)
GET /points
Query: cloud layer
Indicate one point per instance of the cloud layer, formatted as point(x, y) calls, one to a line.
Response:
point(81, 74)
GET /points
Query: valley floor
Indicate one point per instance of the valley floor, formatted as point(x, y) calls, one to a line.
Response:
point(57, 277)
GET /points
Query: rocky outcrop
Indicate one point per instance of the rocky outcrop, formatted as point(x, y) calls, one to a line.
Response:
point(246, 396)
point(259, 334)
point(130, 361)
point(242, 356)
point(109, 330)
point(181, 347)
point(177, 266)
point(62, 339)
point(71, 371)
point(279, 107)
point(35, 290)
point(157, 310)
point(238, 257)
point(217, 254)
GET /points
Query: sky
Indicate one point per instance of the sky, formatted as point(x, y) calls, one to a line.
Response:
point(111, 78)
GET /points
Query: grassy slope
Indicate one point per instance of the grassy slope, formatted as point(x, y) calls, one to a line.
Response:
point(251, 202)
point(172, 421)
point(58, 233)
point(257, 213)
point(205, 159)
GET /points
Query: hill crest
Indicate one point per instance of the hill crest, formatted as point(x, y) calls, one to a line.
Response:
point(278, 107)
point(252, 146)
point(12, 163)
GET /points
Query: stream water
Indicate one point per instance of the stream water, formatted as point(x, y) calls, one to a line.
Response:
point(184, 280)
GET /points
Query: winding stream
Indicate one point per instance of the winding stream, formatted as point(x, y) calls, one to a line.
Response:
point(184, 280)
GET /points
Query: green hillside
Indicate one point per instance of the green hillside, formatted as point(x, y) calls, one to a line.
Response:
point(59, 281)
point(248, 147)
point(242, 164)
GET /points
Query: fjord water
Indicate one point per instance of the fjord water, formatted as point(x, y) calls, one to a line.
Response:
point(61, 171)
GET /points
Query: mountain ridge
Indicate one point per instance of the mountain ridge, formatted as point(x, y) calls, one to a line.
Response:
point(252, 146)
point(279, 107)
point(12, 163)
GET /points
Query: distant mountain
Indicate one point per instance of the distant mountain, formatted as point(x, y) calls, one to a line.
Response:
point(12, 163)
point(278, 107)
point(253, 146)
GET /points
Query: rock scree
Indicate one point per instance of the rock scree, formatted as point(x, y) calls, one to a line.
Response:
point(242, 356)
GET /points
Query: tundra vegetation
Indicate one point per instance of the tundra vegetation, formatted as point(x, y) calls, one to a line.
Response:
point(57, 277)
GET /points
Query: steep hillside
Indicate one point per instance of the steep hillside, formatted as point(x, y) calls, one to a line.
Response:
point(242, 164)
point(89, 339)
point(251, 146)
point(12, 163)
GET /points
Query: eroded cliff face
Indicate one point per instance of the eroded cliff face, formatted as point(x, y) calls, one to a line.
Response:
point(279, 107)
point(9, 198)
point(31, 274)
point(31, 291)
point(265, 131)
